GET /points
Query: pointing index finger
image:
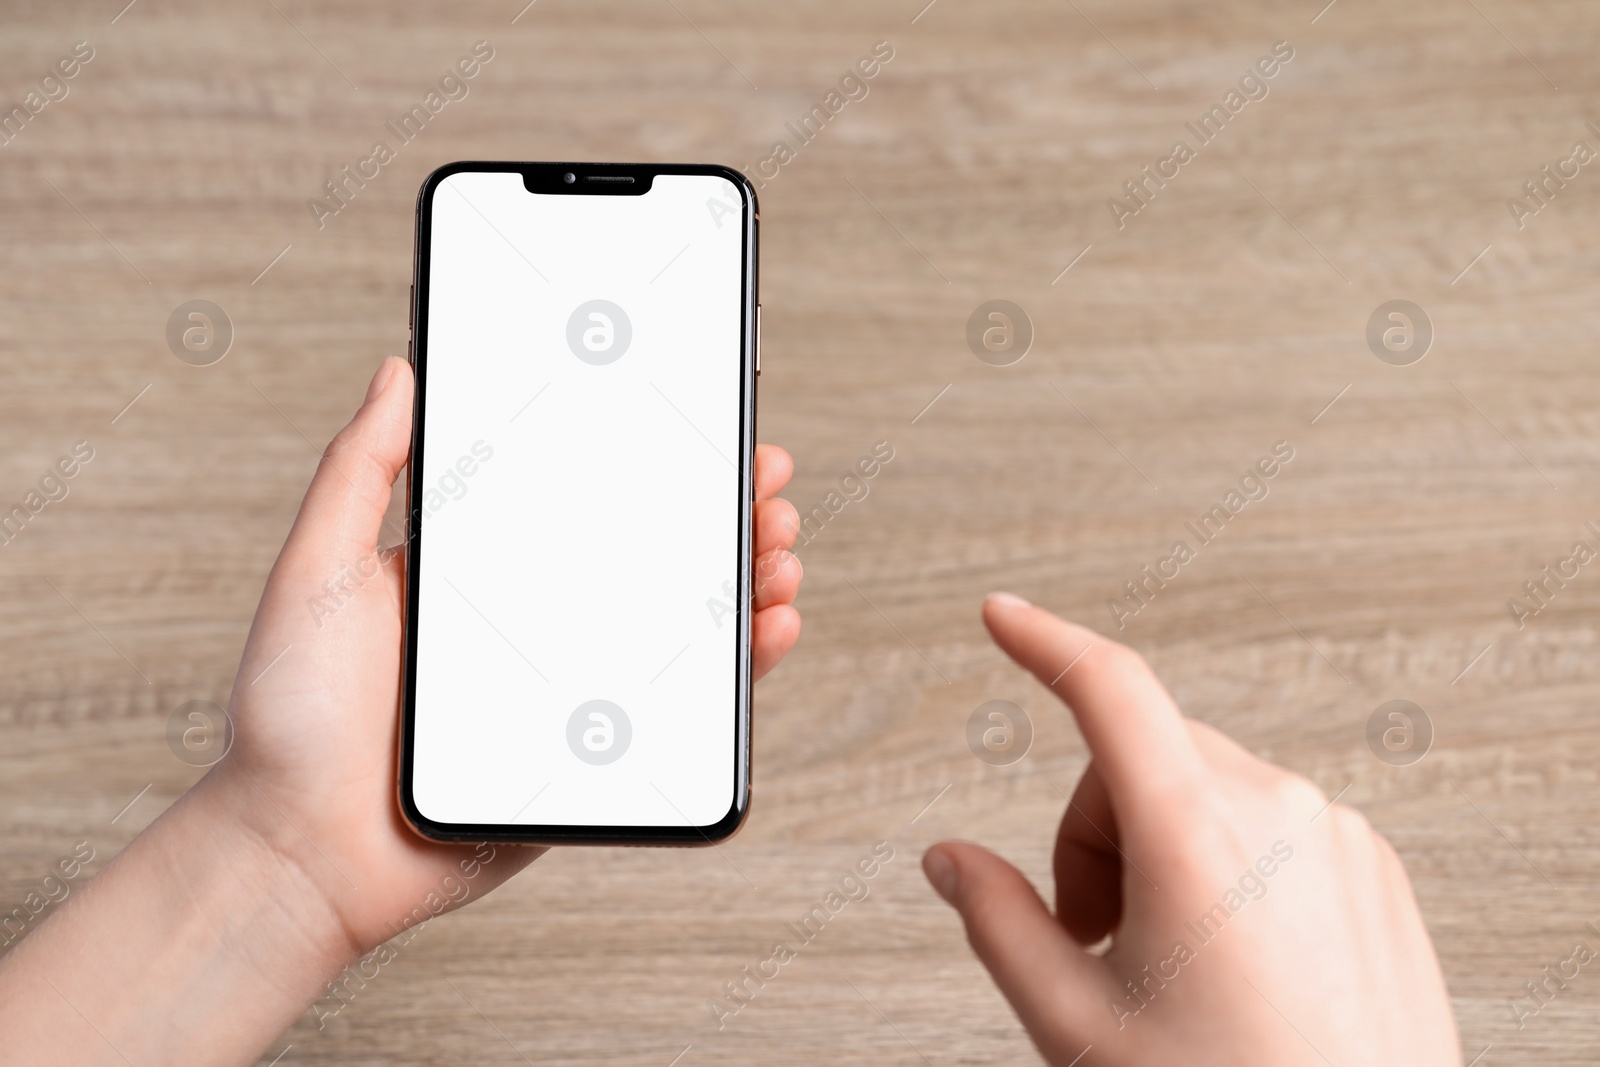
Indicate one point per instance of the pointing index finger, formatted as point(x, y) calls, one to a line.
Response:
point(1134, 731)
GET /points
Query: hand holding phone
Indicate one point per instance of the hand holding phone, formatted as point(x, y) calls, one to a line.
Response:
point(289, 861)
point(1250, 919)
point(314, 756)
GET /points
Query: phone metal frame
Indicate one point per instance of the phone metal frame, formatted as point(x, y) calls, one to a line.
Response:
point(609, 179)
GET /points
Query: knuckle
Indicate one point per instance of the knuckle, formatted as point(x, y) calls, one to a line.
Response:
point(1209, 740)
point(1386, 851)
point(348, 462)
point(1351, 823)
point(784, 514)
point(771, 565)
point(352, 437)
point(1209, 844)
point(1121, 660)
point(1296, 792)
point(340, 445)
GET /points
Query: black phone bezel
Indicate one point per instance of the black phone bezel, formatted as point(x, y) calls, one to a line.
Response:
point(590, 179)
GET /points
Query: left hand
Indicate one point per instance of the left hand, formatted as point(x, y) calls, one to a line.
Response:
point(314, 707)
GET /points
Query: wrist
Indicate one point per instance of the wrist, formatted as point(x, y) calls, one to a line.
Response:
point(200, 910)
point(267, 856)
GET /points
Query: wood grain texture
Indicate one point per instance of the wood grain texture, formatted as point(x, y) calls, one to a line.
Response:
point(1223, 317)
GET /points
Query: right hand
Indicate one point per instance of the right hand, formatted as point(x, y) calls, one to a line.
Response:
point(1257, 923)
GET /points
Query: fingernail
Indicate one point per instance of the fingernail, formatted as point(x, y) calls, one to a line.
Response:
point(1008, 600)
point(380, 381)
point(942, 873)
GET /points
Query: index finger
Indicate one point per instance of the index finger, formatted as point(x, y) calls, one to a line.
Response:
point(1134, 731)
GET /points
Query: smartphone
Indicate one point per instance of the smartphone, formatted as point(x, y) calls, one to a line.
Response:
point(577, 629)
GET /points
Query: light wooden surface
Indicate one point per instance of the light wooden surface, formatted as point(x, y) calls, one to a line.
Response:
point(1224, 317)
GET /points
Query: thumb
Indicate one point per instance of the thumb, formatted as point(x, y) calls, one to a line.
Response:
point(1058, 990)
point(344, 507)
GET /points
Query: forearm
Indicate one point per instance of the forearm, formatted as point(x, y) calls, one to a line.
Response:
point(198, 944)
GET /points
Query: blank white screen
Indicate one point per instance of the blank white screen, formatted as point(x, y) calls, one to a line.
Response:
point(578, 551)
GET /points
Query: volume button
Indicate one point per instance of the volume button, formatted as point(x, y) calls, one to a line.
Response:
point(758, 338)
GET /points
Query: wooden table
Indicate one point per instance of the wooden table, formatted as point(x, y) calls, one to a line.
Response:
point(1171, 352)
